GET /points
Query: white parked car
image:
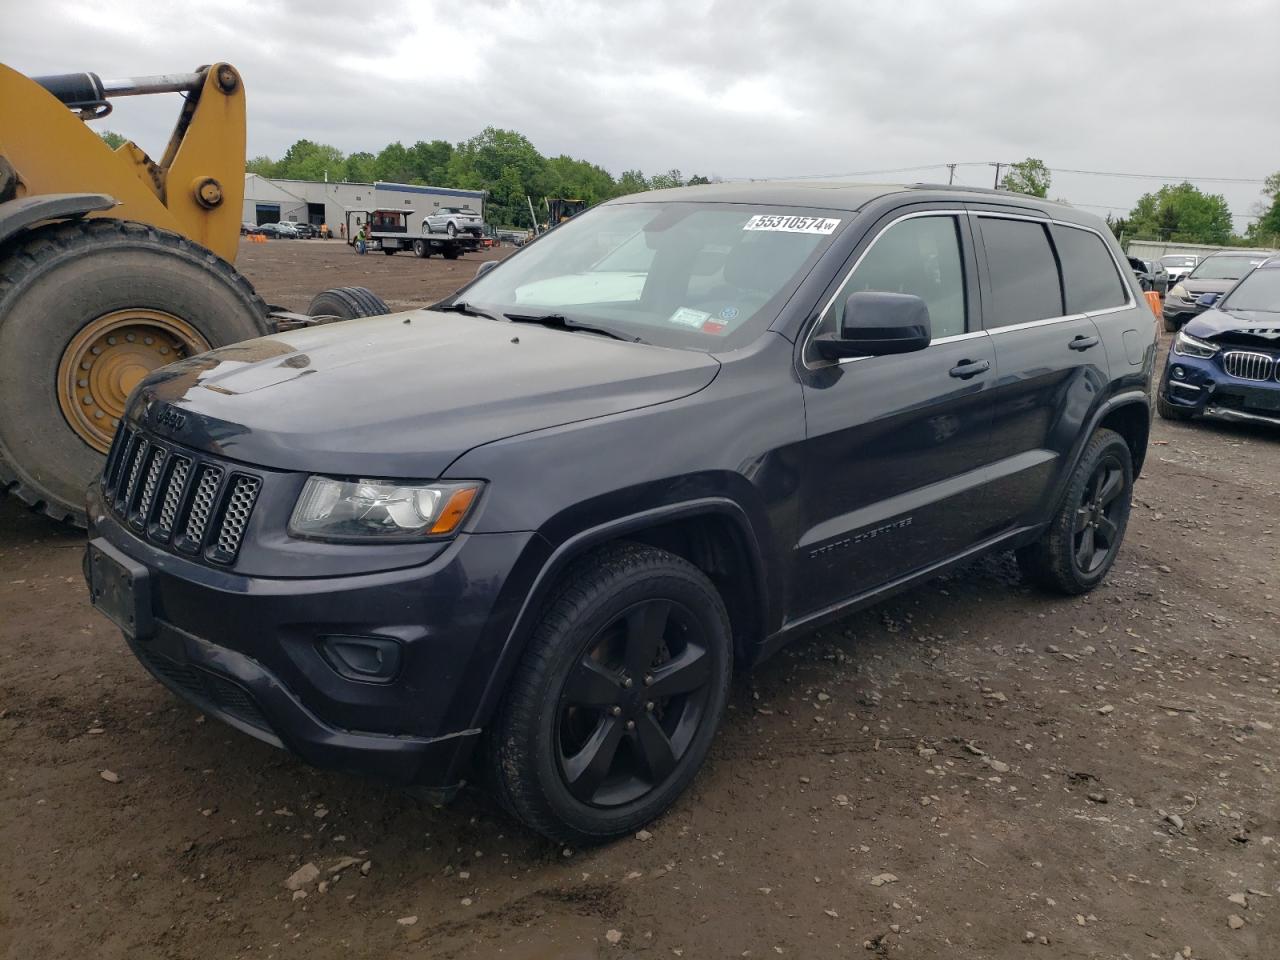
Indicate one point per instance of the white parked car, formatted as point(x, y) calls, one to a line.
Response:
point(453, 221)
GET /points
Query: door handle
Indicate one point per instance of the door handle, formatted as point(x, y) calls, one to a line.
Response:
point(969, 368)
point(1083, 343)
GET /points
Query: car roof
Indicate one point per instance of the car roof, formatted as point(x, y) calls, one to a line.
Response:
point(844, 195)
point(1240, 253)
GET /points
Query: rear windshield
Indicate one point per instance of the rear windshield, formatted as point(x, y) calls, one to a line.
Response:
point(1259, 291)
point(706, 276)
point(1224, 268)
point(1174, 260)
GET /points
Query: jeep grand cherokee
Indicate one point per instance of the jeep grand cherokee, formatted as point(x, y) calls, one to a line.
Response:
point(528, 532)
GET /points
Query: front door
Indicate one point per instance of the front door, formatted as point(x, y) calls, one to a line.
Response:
point(895, 449)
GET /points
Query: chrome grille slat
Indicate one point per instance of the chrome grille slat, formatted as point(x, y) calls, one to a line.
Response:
point(1248, 365)
point(202, 503)
point(135, 470)
point(173, 495)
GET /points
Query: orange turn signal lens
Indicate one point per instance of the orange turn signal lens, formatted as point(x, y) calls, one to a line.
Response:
point(454, 510)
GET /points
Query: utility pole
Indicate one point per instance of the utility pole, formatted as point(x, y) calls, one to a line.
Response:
point(951, 173)
point(996, 185)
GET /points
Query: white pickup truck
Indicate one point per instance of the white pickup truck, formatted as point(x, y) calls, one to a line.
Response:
point(453, 221)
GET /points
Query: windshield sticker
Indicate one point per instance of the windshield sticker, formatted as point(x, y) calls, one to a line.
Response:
point(729, 313)
point(688, 317)
point(781, 224)
point(715, 326)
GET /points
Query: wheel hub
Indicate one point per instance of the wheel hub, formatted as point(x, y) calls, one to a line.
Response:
point(109, 357)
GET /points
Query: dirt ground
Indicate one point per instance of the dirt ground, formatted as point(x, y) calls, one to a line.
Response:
point(970, 770)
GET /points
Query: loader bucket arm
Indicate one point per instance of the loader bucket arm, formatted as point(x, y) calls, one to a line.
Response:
point(197, 188)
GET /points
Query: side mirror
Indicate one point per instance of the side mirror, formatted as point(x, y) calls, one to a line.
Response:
point(877, 324)
point(1207, 299)
point(485, 267)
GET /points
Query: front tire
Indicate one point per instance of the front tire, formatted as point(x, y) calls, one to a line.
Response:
point(451, 230)
point(617, 698)
point(1168, 411)
point(1084, 537)
point(87, 309)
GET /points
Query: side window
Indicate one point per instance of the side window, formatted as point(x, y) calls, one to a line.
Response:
point(920, 256)
point(1088, 272)
point(1024, 274)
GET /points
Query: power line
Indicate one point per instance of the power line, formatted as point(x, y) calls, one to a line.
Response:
point(1154, 176)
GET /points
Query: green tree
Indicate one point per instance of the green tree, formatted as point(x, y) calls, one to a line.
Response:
point(263, 166)
point(631, 181)
point(394, 164)
point(1181, 213)
point(430, 161)
point(663, 181)
point(1028, 176)
point(113, 139)
point(307, 160)
point(360, 167)
point(696, 180)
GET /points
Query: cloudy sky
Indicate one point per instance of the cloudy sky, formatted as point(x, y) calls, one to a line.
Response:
point(1174, 88)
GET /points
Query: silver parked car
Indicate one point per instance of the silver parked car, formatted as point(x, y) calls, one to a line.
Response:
point(453, 221)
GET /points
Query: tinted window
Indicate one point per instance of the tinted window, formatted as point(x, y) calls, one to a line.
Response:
point(1088, 272)
point(1225, 267)
point(1258, 291)
point(920, 256)
point(1024, 274)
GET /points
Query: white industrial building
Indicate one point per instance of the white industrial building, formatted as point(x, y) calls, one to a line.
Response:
point(267, 200)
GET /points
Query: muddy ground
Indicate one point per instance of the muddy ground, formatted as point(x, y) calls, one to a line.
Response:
point(1037, 777)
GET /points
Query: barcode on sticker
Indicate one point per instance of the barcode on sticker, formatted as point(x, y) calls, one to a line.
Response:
point(784, 224)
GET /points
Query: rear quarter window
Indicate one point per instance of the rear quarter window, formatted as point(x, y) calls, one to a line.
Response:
point(1023, 272)
point(1089, 275)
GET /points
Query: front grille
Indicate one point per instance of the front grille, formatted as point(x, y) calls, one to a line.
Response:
point(202, 685)
point(194, 504)
point(1247, 365)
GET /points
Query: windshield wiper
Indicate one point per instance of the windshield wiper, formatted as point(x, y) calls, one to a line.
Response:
point(558, 321)
point(465, 309)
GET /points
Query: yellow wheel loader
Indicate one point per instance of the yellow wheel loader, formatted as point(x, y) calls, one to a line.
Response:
point(111, 264)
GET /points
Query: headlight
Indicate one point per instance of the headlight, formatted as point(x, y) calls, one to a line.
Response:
point(1189, 346)
point(1179, 291)
point(380, 510)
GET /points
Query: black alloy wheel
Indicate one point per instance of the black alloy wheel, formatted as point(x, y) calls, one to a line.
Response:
point(632, 703)
point(1097, 530)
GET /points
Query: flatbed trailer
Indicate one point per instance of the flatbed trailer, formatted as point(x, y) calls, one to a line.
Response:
point(388, 231)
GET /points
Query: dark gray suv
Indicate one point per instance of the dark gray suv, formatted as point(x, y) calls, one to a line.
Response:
point(525, 535)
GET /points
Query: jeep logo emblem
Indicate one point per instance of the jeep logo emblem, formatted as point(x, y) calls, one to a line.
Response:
point(171, 418)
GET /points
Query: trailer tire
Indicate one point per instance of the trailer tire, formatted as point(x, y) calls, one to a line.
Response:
point(348, 303)
point(389, 251)
point(86, 309)
point(421, 249)
point(452, 253)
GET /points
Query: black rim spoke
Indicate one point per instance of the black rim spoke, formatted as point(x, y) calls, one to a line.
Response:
point(1082, 519)
point(1086, 550)
point(1110, 486)
point(656, 751)
point(686, 673)
point(592, 685)
point(1106, 530)
point(645, 627)
point(587, 769)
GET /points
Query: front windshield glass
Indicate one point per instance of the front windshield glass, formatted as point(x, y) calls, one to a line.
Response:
point(1175, 260)
point(706, 276)
point(1259, 291)
point(1224, 268)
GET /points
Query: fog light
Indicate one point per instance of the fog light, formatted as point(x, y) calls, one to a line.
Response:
point(1179, 372)
point(368, 659)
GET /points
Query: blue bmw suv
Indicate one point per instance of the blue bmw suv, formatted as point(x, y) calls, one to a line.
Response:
point(1226, 361)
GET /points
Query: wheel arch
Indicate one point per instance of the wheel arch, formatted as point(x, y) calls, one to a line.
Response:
point(17, 215)
point(1130, 416)
point(712, 533)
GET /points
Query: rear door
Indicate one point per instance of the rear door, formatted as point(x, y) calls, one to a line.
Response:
point(1051, 363)
point(892, 462)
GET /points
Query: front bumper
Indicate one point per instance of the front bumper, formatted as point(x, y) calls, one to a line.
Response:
point(1201, 387)
point(1180, 311)
point(253, 651)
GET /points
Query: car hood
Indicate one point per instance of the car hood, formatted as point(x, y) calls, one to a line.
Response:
point(1196, 286)
point(1258, 327)
point(402, 395)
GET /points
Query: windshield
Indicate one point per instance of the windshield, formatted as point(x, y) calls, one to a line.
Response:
point(1224, 268)
point(1178, 261)
point(1259, 291)
point(706, 276)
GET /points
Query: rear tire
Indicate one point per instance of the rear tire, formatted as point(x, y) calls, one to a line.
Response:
point(617, 698)
point(348, 303)
point(1082, 541)
point(60, 282)
point(389, 251)
point(421, 249)
point(451, 230)
point(452, 253)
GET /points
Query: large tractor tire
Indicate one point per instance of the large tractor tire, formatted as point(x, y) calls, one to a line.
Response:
point(87, 309)
point(348, 303)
